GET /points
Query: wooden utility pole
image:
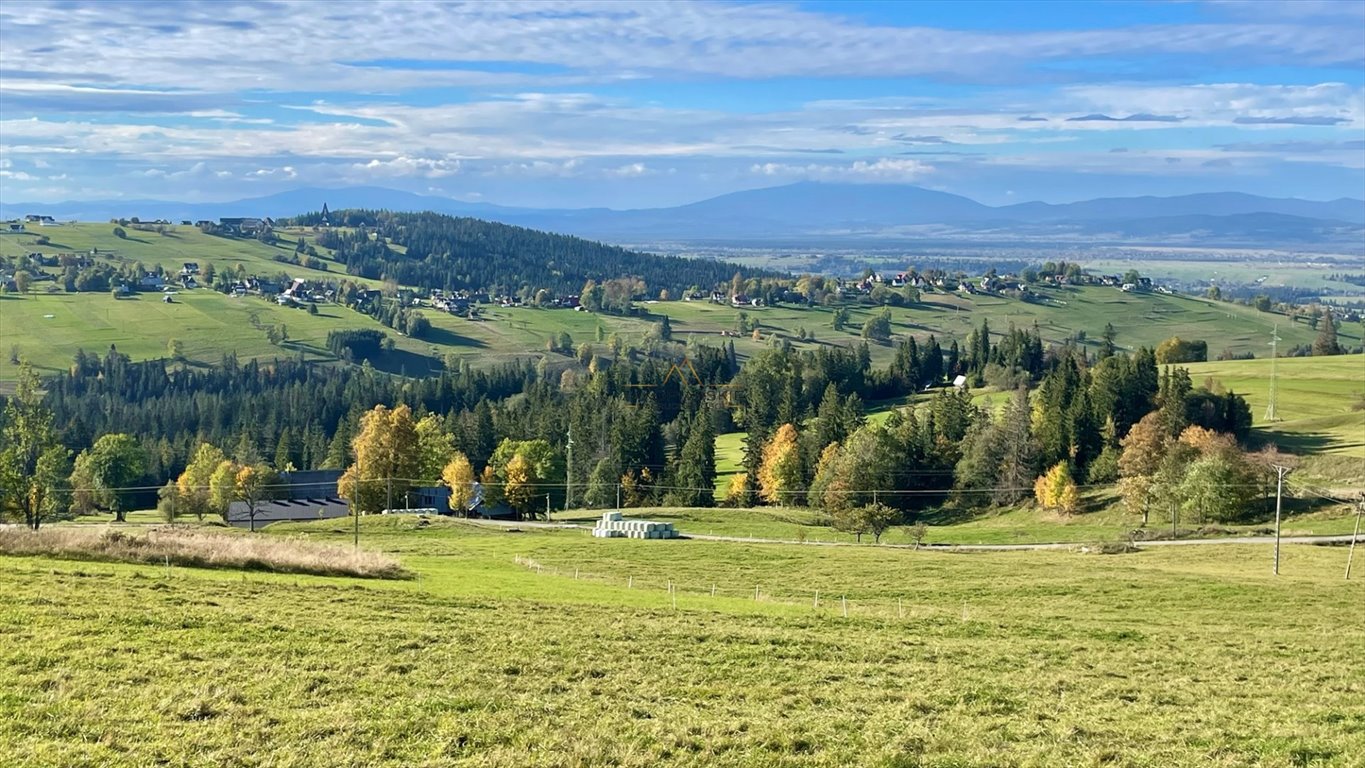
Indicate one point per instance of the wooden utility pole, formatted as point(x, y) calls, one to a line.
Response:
point(568, 471)
point(1351, 553)
point(1280, 472)
point(356, 502)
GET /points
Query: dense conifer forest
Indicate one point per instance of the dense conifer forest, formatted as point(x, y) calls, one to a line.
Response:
point(435, 251)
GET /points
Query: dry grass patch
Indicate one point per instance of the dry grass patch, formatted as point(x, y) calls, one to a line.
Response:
point(200, 549)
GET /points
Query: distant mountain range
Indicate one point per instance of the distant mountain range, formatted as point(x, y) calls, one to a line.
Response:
point(828, 211)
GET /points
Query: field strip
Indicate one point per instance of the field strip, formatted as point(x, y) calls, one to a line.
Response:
point(1332, 539)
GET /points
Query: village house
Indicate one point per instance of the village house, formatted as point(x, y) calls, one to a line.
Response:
point(245, 226)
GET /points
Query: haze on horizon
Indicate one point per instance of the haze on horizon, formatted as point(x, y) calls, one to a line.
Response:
point(573, 104)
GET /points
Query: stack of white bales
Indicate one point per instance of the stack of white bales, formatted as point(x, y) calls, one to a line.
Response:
point(611, 526)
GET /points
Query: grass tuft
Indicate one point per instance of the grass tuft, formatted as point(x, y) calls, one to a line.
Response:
point(199, 548)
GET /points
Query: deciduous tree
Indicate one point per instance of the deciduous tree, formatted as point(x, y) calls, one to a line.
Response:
point(458, 475)
point(112, 465)
point(193, 495)
point(780, 475)
point(1056, 490)
point(33, 463)
point(387, 458)
point(252, 485)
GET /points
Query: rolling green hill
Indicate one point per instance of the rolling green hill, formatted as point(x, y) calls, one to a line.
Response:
point(208, 324)
point(1320, 402)
point(170, 250)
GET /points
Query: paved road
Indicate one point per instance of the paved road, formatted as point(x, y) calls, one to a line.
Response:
point(1340, 539)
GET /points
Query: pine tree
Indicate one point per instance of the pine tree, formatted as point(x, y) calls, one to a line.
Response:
point(695, 476)
point(284, 450)
point(1326, 343)
point(1019, 460)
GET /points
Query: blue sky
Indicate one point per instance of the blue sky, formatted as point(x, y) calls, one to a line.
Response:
point(567, 104)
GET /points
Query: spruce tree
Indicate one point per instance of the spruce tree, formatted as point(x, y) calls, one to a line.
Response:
point(1326, 342)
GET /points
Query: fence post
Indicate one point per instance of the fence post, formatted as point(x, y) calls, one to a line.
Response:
point(816, 604)
point(845, 602)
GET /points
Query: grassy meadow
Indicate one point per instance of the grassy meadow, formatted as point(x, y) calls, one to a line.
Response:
point(1320, 403)
point(171, 250)
point(1101, 520)
point(48, 329)
point(530, 648)
point(209, 324)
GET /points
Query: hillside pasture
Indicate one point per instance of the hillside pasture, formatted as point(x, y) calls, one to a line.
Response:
point(556, 649)
point(1320, 403)
point(520, 333)
point(170, 251)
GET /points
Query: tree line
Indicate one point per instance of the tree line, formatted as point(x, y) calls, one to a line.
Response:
point(641, 423)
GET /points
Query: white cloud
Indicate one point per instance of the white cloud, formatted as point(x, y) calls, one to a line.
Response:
point(283, 172)
point(538, 117)
point(542, 168)
point(1224, 103)
point(259, 46)
point(629, 170)
point(403, 165)
point(886, 169)
point(199, 170)
point(17, 176)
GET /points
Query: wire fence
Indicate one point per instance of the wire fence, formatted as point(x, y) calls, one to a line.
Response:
point(832, 603)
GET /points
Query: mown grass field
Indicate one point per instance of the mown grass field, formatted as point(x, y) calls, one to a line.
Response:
point(1030, 658)
point(1320, 401)
point(171, 250)
point(48, 329)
